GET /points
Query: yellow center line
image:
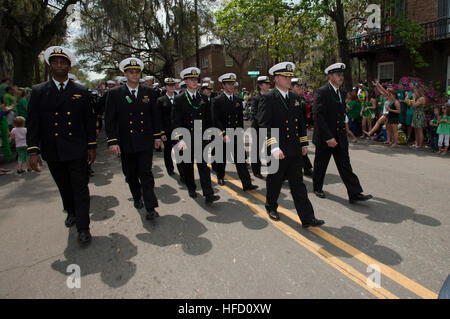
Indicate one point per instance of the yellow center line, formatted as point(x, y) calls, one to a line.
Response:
point(399, 278)
point(333, 261)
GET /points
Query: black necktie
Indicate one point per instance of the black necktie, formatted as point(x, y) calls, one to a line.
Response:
point(133, 92)
point(231, 99)
point(61, 87)
point(339, 94)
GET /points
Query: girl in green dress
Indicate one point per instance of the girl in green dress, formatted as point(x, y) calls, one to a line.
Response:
point(368, 111)
point(444, 130)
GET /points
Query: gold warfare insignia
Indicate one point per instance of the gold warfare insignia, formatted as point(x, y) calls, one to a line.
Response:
point(133, 62)
point(194, 72)
point(289, 68)
point(57, 50)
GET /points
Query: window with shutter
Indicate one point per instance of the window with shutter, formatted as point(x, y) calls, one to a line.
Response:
point(386, 72)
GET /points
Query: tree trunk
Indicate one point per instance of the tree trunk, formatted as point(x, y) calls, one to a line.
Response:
point(37, 70)
point(23, 66)
point(343, 45)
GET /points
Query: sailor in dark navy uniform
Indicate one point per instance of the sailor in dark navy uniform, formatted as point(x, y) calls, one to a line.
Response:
point(228, 114)
point(165, 104)
point(133, 127)
point(61, 127)
point(330, 136)
point(307, 169)
point(189, 107)
point(281, 109)
point(263, 83)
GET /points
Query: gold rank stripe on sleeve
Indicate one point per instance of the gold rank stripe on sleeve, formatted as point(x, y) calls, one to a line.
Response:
point(303, 139)
point(33, 148)
point(223, 132)
point(92, 143)
point(159, 134)
point(271, 141)
point(112, 140)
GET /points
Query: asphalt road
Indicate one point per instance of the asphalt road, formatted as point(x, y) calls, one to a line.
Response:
point(232, 249)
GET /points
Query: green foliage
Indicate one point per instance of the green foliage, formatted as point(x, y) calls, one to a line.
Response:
point(412, 35)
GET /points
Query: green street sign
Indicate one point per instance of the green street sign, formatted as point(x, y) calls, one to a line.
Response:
point(253, 73)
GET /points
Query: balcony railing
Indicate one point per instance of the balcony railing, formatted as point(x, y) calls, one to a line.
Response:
point(434, 31)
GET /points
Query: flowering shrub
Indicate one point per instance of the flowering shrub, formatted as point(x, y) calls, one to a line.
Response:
point(430, 92)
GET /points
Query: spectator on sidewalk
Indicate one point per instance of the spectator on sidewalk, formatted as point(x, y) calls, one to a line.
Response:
point(434, 136)
point(22, 105)
point(418, 102)
point(353, 111)
point(19, 135)
point(444, 130)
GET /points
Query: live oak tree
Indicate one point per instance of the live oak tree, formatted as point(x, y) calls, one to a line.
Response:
point(28, 27)
point(294, 31)
point(157, 31)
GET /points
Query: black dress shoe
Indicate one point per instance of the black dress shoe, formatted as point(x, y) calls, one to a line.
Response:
point(320, 194)
point(273, 214)
point(221, 181)
point(151, 214)
point(360, 198)
point(209, 199)
point(193, 194)
point(313, 223)
point(259, 175)
point(249, 187)
point(308, 172)
point(138, 204)
point(84, 237)
point(70, 221)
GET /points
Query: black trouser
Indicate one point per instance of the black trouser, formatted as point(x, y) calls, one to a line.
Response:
point(307, 163)
point(205, 177)
point(291, 167)
point(342, 160)
point(256, 167)
point(241, 168)
point(72, 180)
point(137, 168)
point(168, 145)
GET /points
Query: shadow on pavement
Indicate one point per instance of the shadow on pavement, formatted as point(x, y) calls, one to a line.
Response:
point(101, 207)
point(168, 230)
point(109, 256)
point(233, 211)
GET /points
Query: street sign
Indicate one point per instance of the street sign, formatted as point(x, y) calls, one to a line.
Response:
point(255, 73)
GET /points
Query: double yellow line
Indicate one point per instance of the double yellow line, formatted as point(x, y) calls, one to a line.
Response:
point(332, 260)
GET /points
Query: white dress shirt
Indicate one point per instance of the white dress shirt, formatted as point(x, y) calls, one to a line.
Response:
point(136, 89)
point(59, 83)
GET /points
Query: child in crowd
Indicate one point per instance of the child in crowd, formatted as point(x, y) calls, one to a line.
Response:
point(433, 129)
point(349, 132)
point(444, 130)
point(368, 111)
point(19, 134)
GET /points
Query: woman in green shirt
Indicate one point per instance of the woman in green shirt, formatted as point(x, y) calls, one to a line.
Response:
point(353, 111)
point(22, 105)
point(8, 101)
point(368, 111)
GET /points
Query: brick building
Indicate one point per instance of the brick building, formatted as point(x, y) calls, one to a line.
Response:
point(214, 62)
point(386, 57)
